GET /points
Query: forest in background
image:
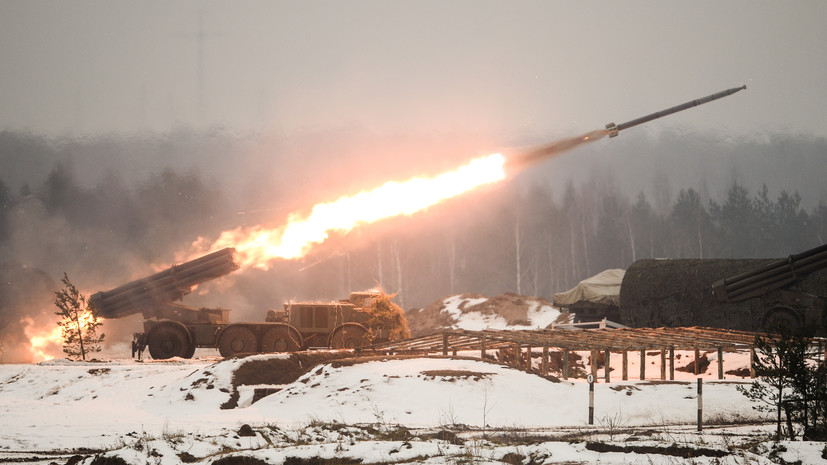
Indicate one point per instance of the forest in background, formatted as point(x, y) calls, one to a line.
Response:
point(148, 199)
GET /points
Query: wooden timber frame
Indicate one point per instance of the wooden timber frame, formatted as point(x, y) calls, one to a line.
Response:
point(663, 341)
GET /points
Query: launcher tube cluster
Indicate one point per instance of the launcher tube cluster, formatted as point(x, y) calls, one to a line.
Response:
point(165, 286)
point(773, 275)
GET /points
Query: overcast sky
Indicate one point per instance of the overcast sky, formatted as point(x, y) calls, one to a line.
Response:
point(503, 68)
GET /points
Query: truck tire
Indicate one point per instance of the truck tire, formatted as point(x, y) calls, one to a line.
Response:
point(169, 340)
point(281, 338)
point(782, 317)
point(349, 336)
point(235, 340)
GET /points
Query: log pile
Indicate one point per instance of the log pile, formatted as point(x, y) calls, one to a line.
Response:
point(165, 286)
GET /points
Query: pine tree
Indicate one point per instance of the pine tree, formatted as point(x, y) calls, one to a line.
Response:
point(789, 382)
point(79, 322)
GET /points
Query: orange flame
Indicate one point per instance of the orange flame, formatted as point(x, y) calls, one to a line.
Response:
point(258, 245)
point(44, 343)
point(46, 339)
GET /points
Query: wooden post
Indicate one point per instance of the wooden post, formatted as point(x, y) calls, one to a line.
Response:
point(518, 353)
point(625, 362)
point(544, 364)
point(591, 402)
point(720, 363)
point(594, 365)
point(482, 347)
point(529, 365)
point(752, 361)
point(565, 363)
point(700, 403)
point(642, 364)
point(607, 366)
point(445, 344)
point(454, 352)
point(672, 363)
point(697, 362)
point(663, 364)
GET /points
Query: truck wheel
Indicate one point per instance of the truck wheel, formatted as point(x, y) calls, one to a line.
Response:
point(349, 336)
point(281, 338)
point(236, 340)
point(781, 318)
point(167, 341)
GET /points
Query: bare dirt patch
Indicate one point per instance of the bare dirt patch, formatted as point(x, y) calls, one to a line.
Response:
point(456, 374)
point(673, 450)
point(703, 364)
point(279, 370)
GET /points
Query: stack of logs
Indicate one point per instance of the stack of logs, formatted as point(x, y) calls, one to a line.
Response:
point(165, 286)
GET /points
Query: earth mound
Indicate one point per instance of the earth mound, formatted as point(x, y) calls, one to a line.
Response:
point(476, 312)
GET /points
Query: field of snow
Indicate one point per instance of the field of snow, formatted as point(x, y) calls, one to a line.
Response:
point(420, 410)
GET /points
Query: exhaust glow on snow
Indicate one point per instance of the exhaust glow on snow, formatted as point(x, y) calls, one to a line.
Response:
point(257, 246)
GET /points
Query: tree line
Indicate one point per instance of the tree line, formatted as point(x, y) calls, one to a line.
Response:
point(515, 237)
point(528, 242)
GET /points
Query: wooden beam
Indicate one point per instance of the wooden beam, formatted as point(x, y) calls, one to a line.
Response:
point(625, 362)
point(642, 364)
point(607, 366)
point(663, 364)
point(594, 364)
point(672, 363)
point(720, 362)
point(565, 363)
point(544, 364)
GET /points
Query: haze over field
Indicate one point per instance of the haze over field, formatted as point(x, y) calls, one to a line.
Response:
point(130, 131)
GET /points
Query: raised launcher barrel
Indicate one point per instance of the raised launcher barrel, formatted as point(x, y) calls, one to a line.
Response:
point(147, 294)
point(772, 276)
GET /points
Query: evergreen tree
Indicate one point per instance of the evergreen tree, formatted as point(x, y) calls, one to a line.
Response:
point(692, 225)
point(79, 322)
point(789, 383)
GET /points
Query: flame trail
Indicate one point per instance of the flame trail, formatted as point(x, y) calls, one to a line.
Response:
point(547, 151)
point(257, 246)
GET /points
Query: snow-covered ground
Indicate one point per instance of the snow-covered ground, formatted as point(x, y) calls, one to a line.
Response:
point(379, 411)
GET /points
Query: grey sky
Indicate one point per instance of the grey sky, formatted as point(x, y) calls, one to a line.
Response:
point(500, 68)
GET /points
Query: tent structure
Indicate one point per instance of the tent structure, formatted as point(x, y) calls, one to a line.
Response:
point(593, 298)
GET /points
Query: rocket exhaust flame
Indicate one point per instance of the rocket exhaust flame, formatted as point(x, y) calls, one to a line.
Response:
point(547, 151)
point(259, 245)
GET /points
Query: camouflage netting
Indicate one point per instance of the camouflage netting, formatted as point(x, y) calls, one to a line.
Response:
point(386, 314)
point(679, 293)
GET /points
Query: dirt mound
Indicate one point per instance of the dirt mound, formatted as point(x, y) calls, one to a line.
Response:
point(432, 318)
point(281, 370)
point(506, 310)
